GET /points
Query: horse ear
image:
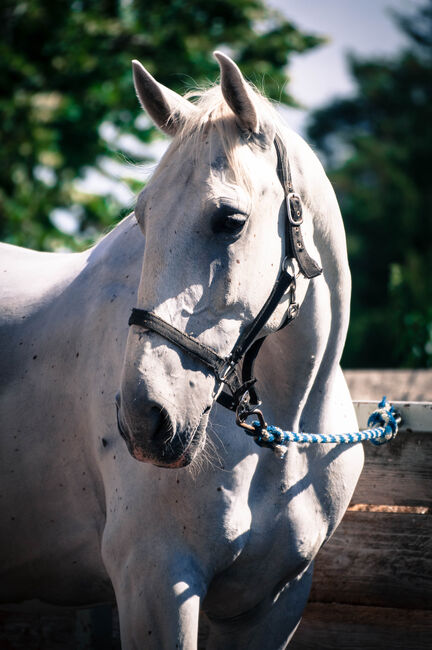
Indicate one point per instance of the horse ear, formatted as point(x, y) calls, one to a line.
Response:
point(167, 109)
point(237, 94)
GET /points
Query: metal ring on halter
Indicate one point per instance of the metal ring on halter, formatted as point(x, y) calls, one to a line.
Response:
point(289, 261)
point(243, 411)
point(227, 369)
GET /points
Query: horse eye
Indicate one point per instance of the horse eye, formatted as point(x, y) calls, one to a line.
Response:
point(228, 223)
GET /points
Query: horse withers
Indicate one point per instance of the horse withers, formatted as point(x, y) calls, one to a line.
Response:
point(166, 505)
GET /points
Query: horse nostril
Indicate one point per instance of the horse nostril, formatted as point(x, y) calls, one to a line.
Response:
point(160, 424)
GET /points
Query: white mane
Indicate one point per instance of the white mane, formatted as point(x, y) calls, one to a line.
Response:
point(214, 112)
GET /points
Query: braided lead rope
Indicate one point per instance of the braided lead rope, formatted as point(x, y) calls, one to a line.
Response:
point(385, 418)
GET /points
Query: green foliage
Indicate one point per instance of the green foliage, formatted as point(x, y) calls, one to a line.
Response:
point(65, 71)
point(377, 146)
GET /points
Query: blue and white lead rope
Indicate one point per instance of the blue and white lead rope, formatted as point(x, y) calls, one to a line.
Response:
point(383, 423)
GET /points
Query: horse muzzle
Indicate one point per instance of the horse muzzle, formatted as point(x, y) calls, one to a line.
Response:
point(154, 438)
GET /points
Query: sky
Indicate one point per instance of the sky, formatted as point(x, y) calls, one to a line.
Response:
point(364, 27)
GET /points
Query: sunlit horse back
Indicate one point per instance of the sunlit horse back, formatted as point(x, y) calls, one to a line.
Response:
point(182, 511)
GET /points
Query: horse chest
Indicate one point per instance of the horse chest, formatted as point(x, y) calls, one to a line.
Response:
point(286, 530)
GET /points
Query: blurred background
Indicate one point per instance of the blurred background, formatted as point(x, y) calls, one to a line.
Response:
point(354, 78)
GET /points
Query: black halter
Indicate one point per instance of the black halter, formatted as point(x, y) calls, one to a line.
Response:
point(247, 345)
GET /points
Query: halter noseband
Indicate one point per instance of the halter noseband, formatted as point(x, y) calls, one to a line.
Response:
point(242, 391)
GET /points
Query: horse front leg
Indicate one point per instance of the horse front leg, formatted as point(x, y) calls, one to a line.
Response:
point(158, 600)
point(271, 624)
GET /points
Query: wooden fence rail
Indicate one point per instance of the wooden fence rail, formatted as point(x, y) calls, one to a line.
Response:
point(372, 584)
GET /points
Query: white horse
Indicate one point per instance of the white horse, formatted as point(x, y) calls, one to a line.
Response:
point(237, 534)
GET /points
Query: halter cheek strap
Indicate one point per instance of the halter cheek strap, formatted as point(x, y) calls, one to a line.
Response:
point(247, 345)
point(294, 243)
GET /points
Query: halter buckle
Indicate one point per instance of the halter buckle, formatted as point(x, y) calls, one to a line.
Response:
point(294, 209)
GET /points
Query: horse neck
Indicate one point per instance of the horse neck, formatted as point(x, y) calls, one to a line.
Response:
point(120, 250)
point(304, 357)
point(106, 286)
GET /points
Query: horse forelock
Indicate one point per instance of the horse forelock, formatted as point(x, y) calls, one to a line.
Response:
point(214, 113)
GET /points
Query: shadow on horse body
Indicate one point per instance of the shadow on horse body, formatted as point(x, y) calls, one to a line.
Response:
point(236, 532)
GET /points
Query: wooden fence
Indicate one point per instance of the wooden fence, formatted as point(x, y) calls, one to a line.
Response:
point(372, 584)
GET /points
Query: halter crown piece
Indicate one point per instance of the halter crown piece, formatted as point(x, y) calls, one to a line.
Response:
point(242, 396)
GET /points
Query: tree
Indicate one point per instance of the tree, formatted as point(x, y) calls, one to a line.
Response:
point(65, 76)
point(377, 148)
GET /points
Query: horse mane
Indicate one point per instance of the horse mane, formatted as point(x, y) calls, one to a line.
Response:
point(214, 112)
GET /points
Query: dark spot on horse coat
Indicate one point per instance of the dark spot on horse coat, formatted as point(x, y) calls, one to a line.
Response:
point(219, 163)
point(35, 356)
point(104, 442)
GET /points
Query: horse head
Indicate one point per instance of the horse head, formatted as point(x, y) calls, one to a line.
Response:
point(213, 217)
